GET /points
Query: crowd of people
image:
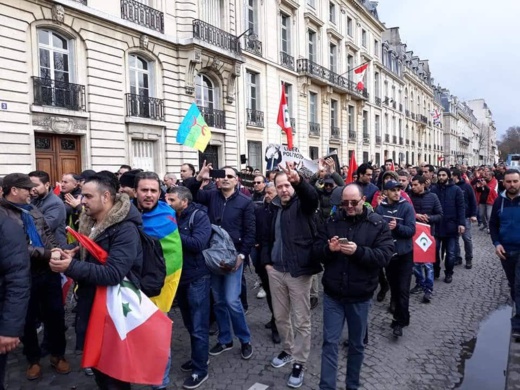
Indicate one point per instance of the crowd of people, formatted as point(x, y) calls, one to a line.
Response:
point(358, 236)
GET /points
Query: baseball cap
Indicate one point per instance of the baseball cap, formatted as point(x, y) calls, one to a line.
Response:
point(18, 180)
point(390, 185)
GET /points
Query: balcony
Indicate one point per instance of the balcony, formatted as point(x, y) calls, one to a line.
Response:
point(351, 135)
point(394, 139)
point(334, 133)
point(214, 118)
point(255, 118)
point(215, 36)
point(144, 107)
point(142, 15)
point(286, 60)
point(327, 77)
point(378, 140)
point(48, 92)
point(407, 113)
point(386, 101)
point(464, 140)
point(401, 140)
point(423, 119)
point(253, 45)
point(314, 129)
point(387, 138)
point(378, 101)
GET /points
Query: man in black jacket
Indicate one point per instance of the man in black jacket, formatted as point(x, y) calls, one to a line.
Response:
point(111, 222)
point(46, 302)
point(290, 266)
point(354, 244)
point(15, 287)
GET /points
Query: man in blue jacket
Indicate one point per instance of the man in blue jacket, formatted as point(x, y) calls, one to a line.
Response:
point(505, 235)
point(15, 287)
point(235, 213)
point(194, 287)
point(400, 217)
point(453, 223)
point(470, 202)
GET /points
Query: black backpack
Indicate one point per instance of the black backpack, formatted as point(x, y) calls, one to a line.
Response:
point(153, 272)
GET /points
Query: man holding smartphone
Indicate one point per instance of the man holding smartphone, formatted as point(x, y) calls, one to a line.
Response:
point(355, 243)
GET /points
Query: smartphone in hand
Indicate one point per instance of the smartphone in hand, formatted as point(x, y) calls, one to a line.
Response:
point(344, 241)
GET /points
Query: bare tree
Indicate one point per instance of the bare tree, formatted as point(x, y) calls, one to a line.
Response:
point(510, 142)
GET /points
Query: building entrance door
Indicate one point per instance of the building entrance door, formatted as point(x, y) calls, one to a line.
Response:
point(57, 154)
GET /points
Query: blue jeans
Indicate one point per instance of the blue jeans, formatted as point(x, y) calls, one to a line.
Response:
point(334, 315)
point(468, 244)
point(424, 276)
point(166, 377)
point(448, 244)
point(193, 300)
point(228, 307)
point(511, 267)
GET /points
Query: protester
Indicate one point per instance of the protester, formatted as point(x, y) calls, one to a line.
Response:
point(354, 244)
point(364, 173)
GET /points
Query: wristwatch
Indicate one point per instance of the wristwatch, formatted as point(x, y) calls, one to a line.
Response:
point(241, 256)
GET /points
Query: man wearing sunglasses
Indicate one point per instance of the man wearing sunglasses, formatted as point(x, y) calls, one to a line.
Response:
point(354, 244)
point(258, 188)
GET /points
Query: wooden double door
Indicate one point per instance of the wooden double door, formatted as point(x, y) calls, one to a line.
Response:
point(57, 154)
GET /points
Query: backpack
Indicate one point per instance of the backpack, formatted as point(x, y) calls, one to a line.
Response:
point(153, 272)
point(221, 247)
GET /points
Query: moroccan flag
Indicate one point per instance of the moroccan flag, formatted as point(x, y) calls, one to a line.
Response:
point(352, 168)
point(128, 337)
point(161, 224)
point(423, 244)
point(193, 130)
point(284, 120)
point(359, 74)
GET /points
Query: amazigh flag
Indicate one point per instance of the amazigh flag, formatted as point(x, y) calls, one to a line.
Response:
point(193, 130)
point(161, 224)
point(128, 337)
point(424, 246)
point(283, 120)
point(352, 168)
point(359, 74)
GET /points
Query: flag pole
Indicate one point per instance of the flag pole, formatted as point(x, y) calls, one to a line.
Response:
point(353, 69)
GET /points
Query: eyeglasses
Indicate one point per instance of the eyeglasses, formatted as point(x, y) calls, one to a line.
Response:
point(352, 203)
point(328, 185)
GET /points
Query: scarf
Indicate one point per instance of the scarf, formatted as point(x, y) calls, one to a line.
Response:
point(29, 225)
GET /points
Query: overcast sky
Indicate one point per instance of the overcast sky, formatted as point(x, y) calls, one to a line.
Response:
point(473, 48)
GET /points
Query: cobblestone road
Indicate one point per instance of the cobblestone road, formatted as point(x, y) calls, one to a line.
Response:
point(427, 357)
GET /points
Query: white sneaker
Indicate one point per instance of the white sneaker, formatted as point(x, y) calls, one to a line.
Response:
point(261, 293)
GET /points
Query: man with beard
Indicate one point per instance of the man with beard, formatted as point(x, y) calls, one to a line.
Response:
point(505, 235)
point(70, 192)
point(50, 205)
point(159, 222)
point(452, 224)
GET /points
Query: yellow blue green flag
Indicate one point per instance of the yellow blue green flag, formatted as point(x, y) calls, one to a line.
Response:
point(193, 130)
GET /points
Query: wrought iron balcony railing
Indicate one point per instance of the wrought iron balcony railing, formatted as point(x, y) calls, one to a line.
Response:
point(286, 60)
point(215, 36)
point(378, 140)
point(253, 45)
point(314, 129)
point(394, 139)
point(386, 101)
point(48, 92)
point(144, 107)
point(407, 113)
point(311, 68)
point(143, 15)
point(255, 118)
point(387, 138)
point(334, 132)
point(214, 118)
point(378, 101)
point(351, 135)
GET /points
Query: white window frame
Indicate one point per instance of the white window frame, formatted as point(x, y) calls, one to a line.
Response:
point(253, 90)
point(51, 50)
point(313, 107)
point(287, 29)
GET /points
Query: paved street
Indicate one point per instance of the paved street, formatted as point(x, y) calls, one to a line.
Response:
point(427, 357)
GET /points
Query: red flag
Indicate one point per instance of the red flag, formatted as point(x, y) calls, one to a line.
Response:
point(352, 168)
point(284, 120)
point(128, 337)
point(392, 167)
point(360, 75)
point(66, 282)
point(424, 246)
point(57, 189)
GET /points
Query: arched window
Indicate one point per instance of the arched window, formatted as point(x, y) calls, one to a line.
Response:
point(141, 76)
point(55, 56)
point(206, 93)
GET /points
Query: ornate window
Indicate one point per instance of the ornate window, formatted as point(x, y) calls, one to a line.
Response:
point(141, 76)
point(55, 56)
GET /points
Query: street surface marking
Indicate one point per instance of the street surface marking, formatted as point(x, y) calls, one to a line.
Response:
point(258, 386)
